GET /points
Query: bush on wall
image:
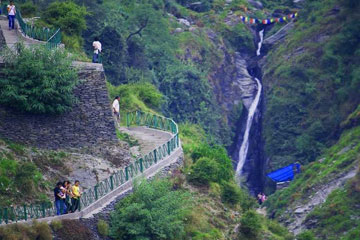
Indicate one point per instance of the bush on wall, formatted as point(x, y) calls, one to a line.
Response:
point(37, 80)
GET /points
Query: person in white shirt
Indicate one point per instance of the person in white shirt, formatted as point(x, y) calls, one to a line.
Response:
point(11, 15)
point(116, 108)
point(97, 50)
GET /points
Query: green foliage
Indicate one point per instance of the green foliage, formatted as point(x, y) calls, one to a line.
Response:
point(306, 104)
point(153, 211)
point(70, 18)
point(143, 49)
point(211, 164)
point(231, 193)
point(37, 80)
point(127, 138)
point(250, 225)
point(204, 171)
point(28, 9)
point(103, 228)
point(56, 225)
point(18, 181)
point(18, 231)
point(335, 219)
point(136, 96)
point(340, 158)
point(307, 235)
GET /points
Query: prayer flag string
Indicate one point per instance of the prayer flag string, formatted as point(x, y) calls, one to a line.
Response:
point(268, 21)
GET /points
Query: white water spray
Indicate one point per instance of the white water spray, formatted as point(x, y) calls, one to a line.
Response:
point(261, 35)
point(245, 143)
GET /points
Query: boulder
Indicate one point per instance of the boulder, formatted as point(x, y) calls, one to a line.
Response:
point(184, 22)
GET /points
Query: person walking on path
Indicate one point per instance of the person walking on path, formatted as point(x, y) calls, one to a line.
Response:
point(97, 50)
point(59, 199)
point(11, 15)
point(116, 109)
point(76, 194)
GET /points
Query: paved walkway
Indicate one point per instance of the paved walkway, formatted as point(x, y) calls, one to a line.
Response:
point(148, 138)
point(14, 36)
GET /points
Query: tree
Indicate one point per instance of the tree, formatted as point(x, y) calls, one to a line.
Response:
point(153, 211)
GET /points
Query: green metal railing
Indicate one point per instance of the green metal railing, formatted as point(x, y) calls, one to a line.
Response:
point(52, 37)
point(137, 118)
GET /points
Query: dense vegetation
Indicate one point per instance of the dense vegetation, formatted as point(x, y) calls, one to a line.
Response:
point(37, 80)
point(311, 93)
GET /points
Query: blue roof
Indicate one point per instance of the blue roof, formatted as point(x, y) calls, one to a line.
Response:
point(285, 174)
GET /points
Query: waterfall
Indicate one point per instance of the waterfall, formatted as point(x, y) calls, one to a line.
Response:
point(245, 143)
point(261, 35)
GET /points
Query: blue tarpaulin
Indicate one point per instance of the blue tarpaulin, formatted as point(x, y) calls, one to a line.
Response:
point(285, 174)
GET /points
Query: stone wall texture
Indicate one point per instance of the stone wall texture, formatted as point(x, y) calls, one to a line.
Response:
point(89, 123)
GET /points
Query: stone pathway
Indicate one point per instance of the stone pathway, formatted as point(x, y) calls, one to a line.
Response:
point(148, 138)
point(14, 36)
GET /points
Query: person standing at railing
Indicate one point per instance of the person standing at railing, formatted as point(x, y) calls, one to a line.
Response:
point(76, 194)
point(11, 15)
point(67, 187)
point(116, 109)
point(59, 199)
point(97, 50)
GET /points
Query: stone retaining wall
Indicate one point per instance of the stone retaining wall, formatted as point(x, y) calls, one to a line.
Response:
point(89, 123)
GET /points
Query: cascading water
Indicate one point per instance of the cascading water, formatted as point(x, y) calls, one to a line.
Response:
point(245, 143)
point(261, 35)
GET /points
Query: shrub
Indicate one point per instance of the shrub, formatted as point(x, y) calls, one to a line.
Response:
point(103, 228)
point(16, 231)
point(220, 156)
point(230, 193)
point(74, 230)
point(56, 225)
point(250, 225)
point(37, 80)
point(144, 96)
point(67, 15)
point(204, 171)
point(28, 9)
point(153, 211)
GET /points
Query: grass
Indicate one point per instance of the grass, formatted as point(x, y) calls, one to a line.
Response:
point(127, 138)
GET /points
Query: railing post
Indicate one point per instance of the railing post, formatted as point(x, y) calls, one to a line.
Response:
point(12, 214)
point(43, 209)
point(127, 173)
point(111, 182)
point(96, 192)
point(6, 216)
point(25, 213)
point(127, 119)
point(155, 156)
point(168, 147)
point(141, 165)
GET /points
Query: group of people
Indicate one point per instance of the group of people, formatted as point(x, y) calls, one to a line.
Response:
point(261, 197)
point(67, 197)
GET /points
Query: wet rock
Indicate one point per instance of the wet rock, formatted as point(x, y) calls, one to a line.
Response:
point(279, 36)
point(256, 4)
